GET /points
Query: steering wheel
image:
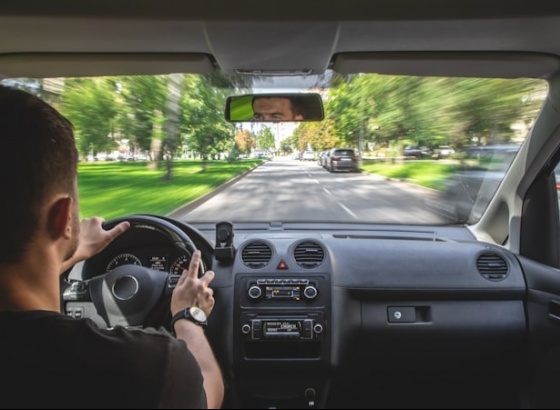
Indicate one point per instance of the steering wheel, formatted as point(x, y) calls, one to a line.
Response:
point(129, 294)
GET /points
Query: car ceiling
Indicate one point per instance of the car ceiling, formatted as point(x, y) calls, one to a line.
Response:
point(40, 38)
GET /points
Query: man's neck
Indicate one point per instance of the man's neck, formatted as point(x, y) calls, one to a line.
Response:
point(32, 283)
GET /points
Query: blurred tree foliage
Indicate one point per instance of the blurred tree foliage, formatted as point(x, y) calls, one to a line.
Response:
point(424, 111)
point(91, 104)
point(184, 113)
point(265, 139)
point(245, 141)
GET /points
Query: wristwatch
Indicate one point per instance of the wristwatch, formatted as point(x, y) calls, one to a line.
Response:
point(194, 314)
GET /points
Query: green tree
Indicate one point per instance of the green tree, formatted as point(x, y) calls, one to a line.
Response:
point(397, 110)
point(317, 135)
point(91, 105)
point(172, 118)
point(287, 145)
point(202, 121)
point(487, 108)
point(265, 139)
point(144, 102)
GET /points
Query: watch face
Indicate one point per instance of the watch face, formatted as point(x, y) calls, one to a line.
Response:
point(198, 314)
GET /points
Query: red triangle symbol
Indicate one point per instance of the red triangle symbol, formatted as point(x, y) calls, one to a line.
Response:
point(282, 265)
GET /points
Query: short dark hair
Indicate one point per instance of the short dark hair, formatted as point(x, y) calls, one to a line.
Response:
point(39, 160)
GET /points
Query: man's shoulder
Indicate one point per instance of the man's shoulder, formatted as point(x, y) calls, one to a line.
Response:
point(57, 326)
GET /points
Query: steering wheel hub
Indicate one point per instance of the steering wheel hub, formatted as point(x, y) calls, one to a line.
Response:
point(125, 287)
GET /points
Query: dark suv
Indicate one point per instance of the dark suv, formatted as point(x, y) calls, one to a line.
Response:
point(342, 159)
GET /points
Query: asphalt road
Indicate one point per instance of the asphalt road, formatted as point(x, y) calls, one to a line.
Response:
point(286, 190)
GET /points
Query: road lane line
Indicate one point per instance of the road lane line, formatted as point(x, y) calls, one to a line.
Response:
point(352, 214)
point(327, 191)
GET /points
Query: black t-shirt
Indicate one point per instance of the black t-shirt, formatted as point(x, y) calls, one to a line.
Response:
point(48, 360)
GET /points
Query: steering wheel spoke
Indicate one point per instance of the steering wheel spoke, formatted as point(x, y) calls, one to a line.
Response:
point(126, 295)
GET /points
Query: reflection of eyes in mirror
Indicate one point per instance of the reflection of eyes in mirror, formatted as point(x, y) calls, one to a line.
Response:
point(275, 108)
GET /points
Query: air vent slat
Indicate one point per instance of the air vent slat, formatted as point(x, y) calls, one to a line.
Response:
point(492, 267)
point(309, 255)
point(256, 255)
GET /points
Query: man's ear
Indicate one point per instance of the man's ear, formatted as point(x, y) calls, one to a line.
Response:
point(59, 222)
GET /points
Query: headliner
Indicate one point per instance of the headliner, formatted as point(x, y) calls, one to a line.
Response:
point(46, 38)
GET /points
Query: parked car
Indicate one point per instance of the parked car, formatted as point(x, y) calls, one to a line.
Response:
point(416, 151)
point(342, 159)
point(323, 157)
point(308, 156)
point(444, 151)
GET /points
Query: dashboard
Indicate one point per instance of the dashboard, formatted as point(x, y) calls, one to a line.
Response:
point(324, 316)
point(147, 247)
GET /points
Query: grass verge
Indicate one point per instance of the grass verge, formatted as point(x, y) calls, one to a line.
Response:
point(429, 174)
point(115, 189)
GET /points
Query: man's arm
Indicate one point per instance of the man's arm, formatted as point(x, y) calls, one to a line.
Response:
point(93, 239)
point(194, 291)
point(196, 341)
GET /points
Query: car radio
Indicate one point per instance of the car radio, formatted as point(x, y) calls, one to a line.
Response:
point(282, 290)
point(305, 327)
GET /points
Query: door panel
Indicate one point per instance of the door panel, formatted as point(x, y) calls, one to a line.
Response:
point(543, 319)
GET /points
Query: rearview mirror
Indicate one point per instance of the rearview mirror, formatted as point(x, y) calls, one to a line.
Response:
point(275, 108)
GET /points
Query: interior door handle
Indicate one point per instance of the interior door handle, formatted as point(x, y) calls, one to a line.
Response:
point(554, 311)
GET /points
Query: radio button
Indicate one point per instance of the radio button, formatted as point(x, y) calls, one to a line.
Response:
point(246, 329)
point(308, 329)
point(257, 329)
point(318, 328)
point(310, 292)
point(255, 292)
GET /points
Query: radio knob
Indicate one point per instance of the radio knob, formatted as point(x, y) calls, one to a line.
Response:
point(255, 292)
point(310, 292)
point(246, 329)
point(318, 329)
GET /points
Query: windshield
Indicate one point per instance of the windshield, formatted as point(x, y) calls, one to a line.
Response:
point(391, 149)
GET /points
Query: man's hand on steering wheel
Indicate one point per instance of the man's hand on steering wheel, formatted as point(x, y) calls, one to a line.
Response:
point(93, 239)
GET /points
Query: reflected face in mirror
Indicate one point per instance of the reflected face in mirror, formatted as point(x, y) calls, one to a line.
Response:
point(275, 109)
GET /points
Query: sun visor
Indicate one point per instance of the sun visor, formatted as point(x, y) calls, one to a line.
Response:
point(45, 65)
point(452, 64)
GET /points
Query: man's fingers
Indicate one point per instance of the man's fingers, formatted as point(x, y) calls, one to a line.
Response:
point(207, 278)
point(195, 264)
point(119, 229)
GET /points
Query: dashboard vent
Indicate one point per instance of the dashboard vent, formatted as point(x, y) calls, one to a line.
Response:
point(309, 255)
point(256, 255)
point(492, 266)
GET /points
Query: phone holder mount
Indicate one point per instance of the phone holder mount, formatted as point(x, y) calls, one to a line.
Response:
point(224, 250)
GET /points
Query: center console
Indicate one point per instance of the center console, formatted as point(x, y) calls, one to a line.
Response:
point(282, 340)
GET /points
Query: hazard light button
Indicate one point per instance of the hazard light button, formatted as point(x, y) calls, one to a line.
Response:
point(282, 265)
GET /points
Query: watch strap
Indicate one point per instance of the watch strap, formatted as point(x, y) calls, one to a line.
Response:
point(185, 314)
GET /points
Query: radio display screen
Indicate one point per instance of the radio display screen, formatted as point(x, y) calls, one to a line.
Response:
point(282, 327)
point(283, 292)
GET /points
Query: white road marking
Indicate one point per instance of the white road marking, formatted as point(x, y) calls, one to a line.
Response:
point(327, 191)
point(352, 214)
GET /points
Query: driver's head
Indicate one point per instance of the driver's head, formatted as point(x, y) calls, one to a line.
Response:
point(276, 109)
point(38, 173)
